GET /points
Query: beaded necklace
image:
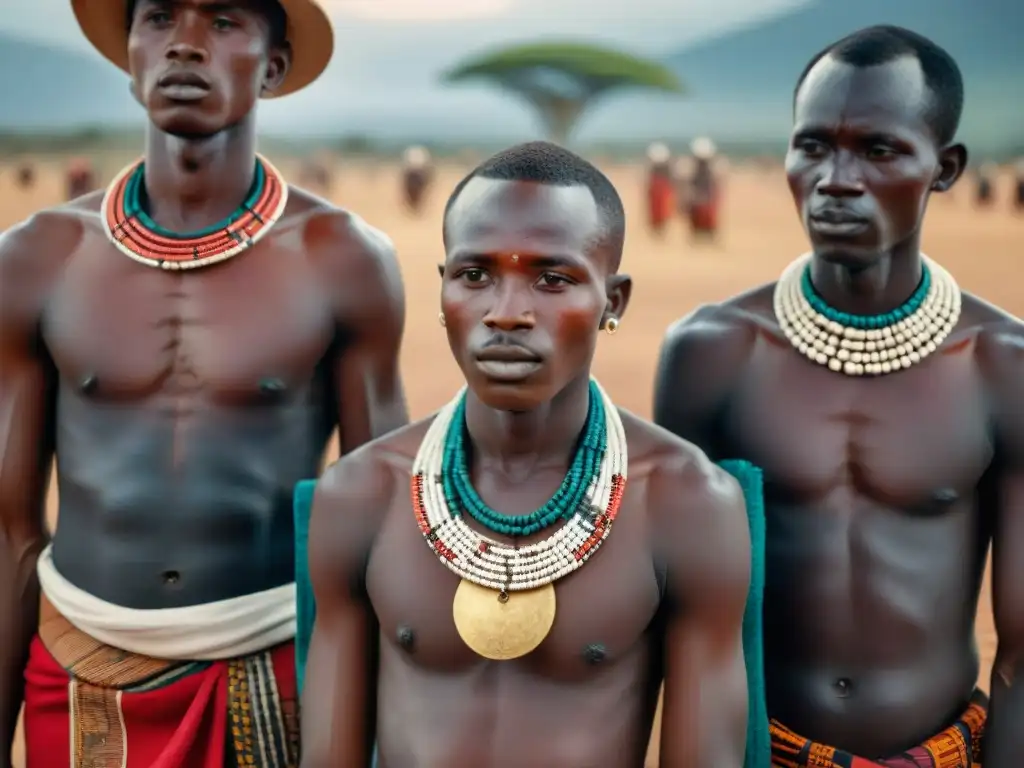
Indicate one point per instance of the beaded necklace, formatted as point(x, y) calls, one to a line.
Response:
point(460, 494)
point(134, 233)
point(873, 345)
point(505, 604)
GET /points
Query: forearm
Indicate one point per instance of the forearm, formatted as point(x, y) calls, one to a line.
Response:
point(1004, 737)
point(19, 609)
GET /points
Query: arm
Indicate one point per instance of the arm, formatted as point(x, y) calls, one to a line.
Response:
point(701, 356)
point(27, 405)
point(366, 283)
point(338, 707)
point(1004, 737)
point(707, 550)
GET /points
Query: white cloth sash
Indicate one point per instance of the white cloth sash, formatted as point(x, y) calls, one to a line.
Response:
point(224, 629)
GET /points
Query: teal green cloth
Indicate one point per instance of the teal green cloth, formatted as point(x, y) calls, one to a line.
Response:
point(305, 605)
point(750, 479)
point(759, 745)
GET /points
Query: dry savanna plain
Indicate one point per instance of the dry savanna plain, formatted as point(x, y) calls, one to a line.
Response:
point(760, 235)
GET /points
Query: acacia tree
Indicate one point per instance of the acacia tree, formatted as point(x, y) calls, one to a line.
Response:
point(562, 80)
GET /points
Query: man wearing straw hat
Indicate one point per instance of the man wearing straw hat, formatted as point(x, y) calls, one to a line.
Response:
point(184, 343)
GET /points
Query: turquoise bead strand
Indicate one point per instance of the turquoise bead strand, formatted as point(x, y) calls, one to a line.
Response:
point(583, 471)
point(867, 322)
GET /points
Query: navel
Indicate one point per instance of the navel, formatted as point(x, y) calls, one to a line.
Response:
point(171, 578)
point(843, 687)
point(272, 388)
point(88, 384)
point(406, 638)
point(594, 654)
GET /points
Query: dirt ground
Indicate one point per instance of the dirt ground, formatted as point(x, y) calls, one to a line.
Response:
point(761, 235)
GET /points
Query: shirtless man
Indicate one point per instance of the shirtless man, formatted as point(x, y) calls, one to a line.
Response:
point(888, 471)
point(533, 238)
point(182, 403)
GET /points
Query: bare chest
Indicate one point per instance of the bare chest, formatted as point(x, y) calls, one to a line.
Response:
point(120, 330)
point(603, 610)
point(902, 440)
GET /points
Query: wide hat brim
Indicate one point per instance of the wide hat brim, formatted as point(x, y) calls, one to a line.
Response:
point(310, 35)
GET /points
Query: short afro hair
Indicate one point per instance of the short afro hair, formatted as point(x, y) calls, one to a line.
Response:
point(546, 163)
point(877, 45)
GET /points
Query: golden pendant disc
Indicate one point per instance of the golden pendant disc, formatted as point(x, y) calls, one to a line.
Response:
point(503, 629)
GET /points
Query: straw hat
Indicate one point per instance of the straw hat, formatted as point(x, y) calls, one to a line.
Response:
point(703, 148)
point(416, 157)
point(309, 33)
point(658, 153)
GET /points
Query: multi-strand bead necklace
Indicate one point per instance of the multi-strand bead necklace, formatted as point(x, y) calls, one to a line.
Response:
point(867, 345)
point(136, 235)
point(509, 575)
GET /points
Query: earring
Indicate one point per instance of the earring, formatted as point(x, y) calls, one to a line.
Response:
point(611, 325)
point(440, 318)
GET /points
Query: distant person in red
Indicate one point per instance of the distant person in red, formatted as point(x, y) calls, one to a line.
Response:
point(81, 178)
point(704, 190)
point(417, 173)
point(660, 194)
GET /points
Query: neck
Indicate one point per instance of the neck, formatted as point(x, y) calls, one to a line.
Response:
point(545, 434)
point(194, 183)
point(875, 289)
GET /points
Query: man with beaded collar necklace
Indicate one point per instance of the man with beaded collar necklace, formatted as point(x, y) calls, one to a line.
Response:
point(885, 407)
point(463, 631)
point(185, 382)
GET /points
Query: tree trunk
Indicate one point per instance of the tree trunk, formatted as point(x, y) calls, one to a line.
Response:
point(559, 116)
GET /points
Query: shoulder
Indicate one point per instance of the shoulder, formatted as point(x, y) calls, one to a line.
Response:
point(703, 354)
point(356, 262)
point(720, 332)
point(1000, 357)
point(363, 481)
point(32, 254)
point(698, 521)
point(684, 487)
point(354, 495)
point(337, 239)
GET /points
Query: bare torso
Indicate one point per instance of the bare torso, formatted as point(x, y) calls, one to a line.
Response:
point(876, 534)
point(585, 697)
point(189, 405)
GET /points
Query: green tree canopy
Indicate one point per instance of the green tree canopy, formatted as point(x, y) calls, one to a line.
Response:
point(562, 80)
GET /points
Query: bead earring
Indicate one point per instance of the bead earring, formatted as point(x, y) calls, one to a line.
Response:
point(440, 319)
point(611, 325)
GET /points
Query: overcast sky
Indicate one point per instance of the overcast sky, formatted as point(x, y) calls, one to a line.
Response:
point(389, 53)
point(645, 24)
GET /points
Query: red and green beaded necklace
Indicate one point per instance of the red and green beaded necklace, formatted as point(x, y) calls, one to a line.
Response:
point(137, 236)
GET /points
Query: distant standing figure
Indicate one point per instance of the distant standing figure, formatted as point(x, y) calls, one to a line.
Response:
point(316, 175)
point(417, 173)
point(703, 190)
point(984, 193)
point(660, 194)
point(81, 179)
point(1018, 185)
point(26, 176)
